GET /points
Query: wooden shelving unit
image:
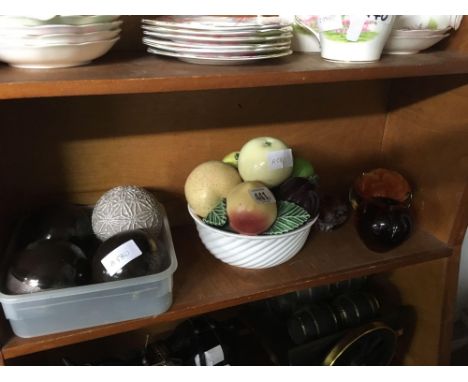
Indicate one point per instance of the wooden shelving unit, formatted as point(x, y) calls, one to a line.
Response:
point(326, 258)
point(134, 118)
point(134, 73)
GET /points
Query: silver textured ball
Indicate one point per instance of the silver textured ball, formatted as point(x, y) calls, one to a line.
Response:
point(126, 208)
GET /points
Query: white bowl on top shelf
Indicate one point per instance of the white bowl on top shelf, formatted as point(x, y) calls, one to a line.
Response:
point(419, 32)
point(410, 44)
point(433, 22)
point(54, 55)
point(46, 29)
point(64, 38)
point(252, 252)
point(19, 21)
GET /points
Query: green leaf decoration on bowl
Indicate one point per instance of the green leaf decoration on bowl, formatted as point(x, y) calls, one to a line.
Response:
point(290, 216)
point(217, 216)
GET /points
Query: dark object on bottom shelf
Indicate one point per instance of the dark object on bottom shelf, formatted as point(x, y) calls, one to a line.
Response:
point(287, 304)
point(200, 341)
point(318, 320)
point(373, 344)
point(354, 309)
point(312, 322)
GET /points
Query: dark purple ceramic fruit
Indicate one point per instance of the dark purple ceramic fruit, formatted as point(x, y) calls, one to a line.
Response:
point(383, 223)
point(47, 264)
point(300, 191)
point(334, 212)
point(126, 255)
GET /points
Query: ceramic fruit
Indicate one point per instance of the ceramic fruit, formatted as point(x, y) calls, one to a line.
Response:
point(383, 223)
point(334, 212)
point(232, 158)
point(300, 191)
point(208, 184)
point(251, 208)
point(303, 168)
point(126, 255)
point(265, 159)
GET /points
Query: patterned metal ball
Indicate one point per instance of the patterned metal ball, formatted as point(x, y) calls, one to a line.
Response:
point(126, 208)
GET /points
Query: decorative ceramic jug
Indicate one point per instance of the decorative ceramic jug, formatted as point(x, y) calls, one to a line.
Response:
point(352, 38)
point(383, 223)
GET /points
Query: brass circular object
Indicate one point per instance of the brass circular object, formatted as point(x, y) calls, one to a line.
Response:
point(360, 341)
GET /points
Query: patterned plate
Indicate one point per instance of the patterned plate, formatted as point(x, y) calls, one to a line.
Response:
point(220, 39)
point(259, 48)
point(228, 33)
point(213, 23)
point(213, 46)
point(213, 59)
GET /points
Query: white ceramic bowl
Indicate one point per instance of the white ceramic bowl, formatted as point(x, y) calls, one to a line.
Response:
point(18, 21)
point(40, 30)
point(428, 21)
point(67, 38)
point(410, 45)
point(54, 56)
point(419, 32)
point(253, 252)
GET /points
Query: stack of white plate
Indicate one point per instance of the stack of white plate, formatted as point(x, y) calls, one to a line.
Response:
point(412, 33)
point(218, 40)
point(56, 41)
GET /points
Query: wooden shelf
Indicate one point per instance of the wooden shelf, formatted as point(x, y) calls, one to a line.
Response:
point(150, 74)
point(203, 284)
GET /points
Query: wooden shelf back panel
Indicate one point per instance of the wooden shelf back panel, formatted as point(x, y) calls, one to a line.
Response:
point(203, 284)
point(426, 138)
point(120, 73)
point(84, 146)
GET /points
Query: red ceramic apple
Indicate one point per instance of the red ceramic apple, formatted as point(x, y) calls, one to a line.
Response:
point(251, 208)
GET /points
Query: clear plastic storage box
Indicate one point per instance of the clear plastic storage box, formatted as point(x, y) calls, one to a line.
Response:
point(60, 310)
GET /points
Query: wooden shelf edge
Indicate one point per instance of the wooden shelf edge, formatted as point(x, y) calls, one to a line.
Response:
point(146, 74)
point(16, 346)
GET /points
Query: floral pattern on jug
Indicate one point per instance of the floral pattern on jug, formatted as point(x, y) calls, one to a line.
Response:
point(352, 38)
point(351, 29)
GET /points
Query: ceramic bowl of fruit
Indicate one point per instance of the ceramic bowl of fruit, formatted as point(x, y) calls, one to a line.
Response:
point(255, 208)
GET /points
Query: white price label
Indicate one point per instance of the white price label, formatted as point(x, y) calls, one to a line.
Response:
point(262, 195)
point(356, 23)
point(280, 159)
point(330, 22)
point(121, 256)
point(212, 356)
